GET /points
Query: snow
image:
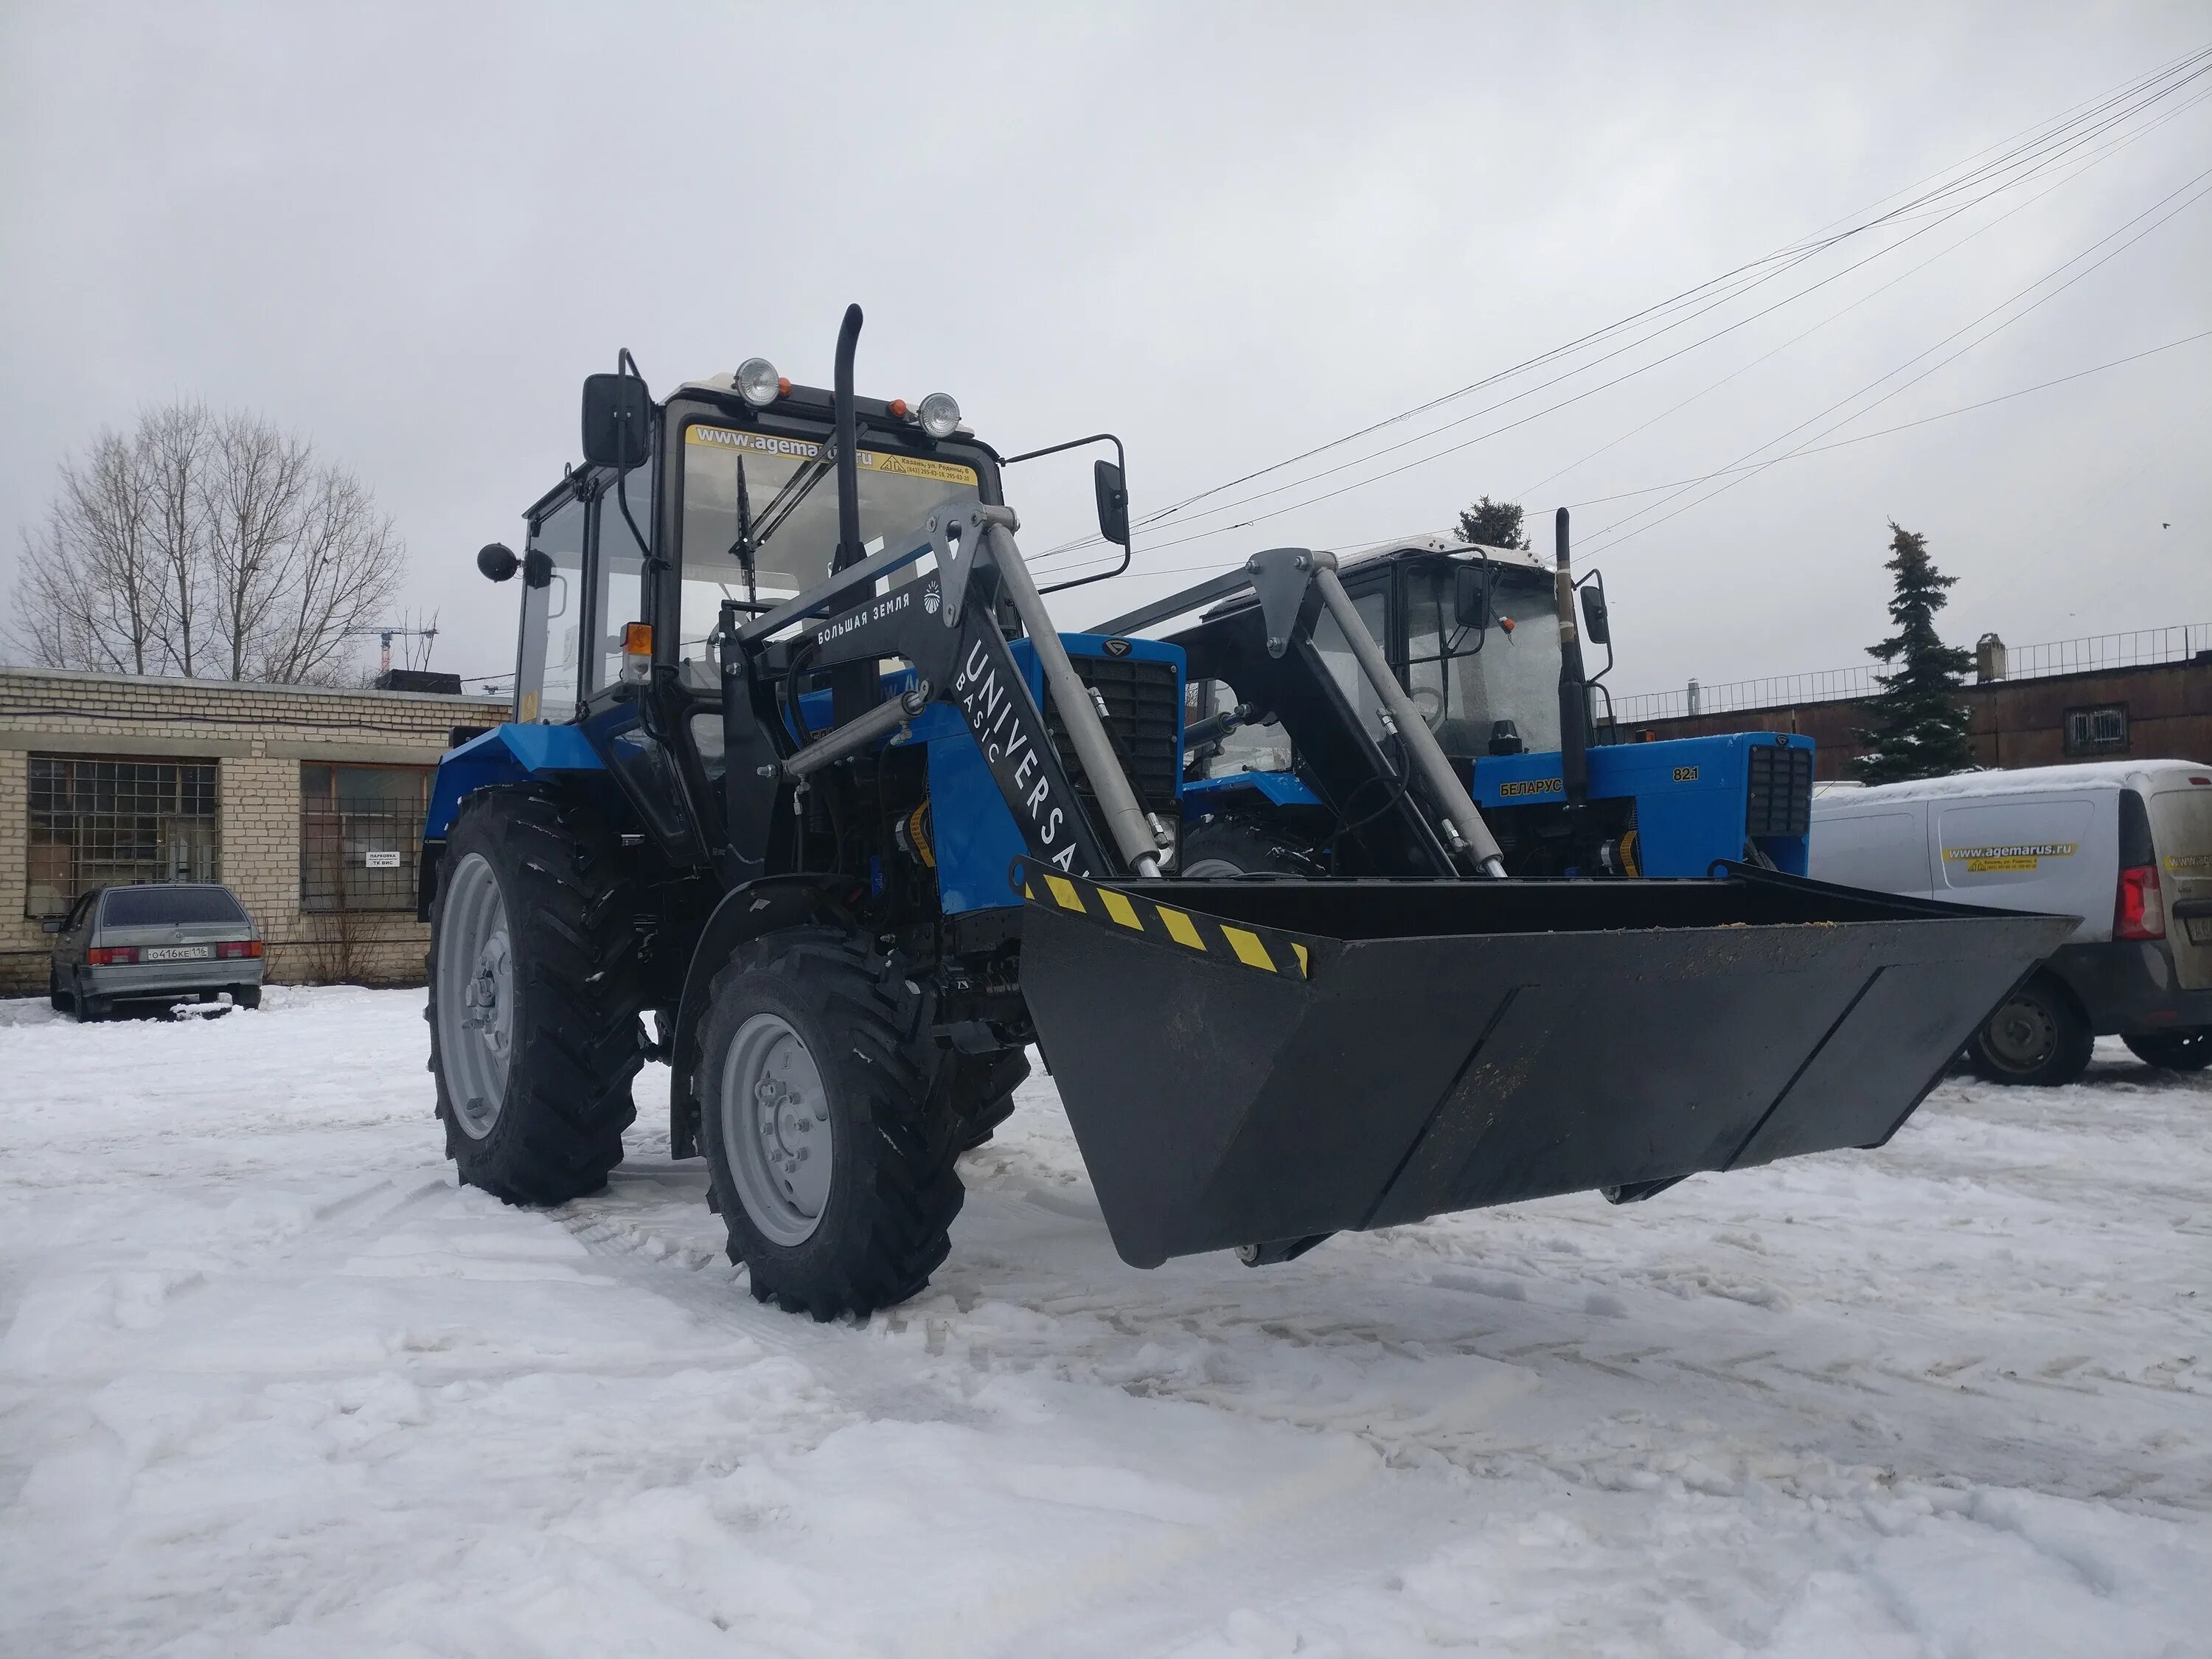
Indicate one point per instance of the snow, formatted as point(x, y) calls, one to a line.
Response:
point(270, 1384)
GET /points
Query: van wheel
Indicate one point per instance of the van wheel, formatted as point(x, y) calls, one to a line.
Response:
point(2187, 1050)
point(2037, 1036)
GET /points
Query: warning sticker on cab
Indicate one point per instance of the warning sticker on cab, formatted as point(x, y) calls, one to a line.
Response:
point(2018, 855)
point(872, 461)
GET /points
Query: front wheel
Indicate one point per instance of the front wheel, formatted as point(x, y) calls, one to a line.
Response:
point(1216, 847)
point(2038, 1036)
point(2186, 1051)
point(829, 1143)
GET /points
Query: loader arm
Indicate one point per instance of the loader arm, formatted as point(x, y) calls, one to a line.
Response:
point(945, 623)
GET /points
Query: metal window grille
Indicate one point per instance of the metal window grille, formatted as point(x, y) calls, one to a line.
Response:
point(103, 823)
point(2100, 730)
point(360, 847)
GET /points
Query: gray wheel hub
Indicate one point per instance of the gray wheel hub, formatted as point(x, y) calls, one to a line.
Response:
point(774, 1115)
point(476, 995)
point(2022, 1035)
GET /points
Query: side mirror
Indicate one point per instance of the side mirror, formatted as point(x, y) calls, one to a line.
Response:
point(538, 568)
point(618, 420)
point(1596, 628)
point(497, 562)
point(53, 924)
point(1113, 495)
point(1471, 596)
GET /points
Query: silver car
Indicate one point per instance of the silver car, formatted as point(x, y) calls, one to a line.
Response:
point(164, 942)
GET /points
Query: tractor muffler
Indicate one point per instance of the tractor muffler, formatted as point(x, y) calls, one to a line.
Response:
point(1252, 1063)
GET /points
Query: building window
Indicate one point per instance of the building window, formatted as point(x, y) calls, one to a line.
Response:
point(2102, 729)
point(360, 837)
point(103, 823)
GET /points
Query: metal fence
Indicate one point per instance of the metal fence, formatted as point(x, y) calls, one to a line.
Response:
point(2018, 662)
point(99, 823)
point(358, 856)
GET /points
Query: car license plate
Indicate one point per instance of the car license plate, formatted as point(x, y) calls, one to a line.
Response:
point(176, 952)
point(2200, 930)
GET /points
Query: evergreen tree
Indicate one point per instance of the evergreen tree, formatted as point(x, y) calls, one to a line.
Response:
point(1492, 524)
point(1921, 728)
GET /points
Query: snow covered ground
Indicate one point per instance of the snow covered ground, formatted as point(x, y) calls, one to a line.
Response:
point(271, 1385)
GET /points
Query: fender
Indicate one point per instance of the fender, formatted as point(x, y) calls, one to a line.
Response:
point(744, 915)
point(506, 754)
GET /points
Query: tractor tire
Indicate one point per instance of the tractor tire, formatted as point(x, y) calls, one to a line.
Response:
point(2186, 1051)
point(982, 1089)
point(62, 1000)
point(534, 995)
point(830, 1139)
point(2037, 1037)
point(1220, 847)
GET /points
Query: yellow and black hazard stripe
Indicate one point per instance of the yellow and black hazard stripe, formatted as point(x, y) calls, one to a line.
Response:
point(1267, 950)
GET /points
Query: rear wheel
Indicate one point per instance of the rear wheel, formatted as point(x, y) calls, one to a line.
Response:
point(2038, 1036)
point(534, 996)
point(245, 996)
point(828, 1137)
point(2189, 1050)
point(1219, 847)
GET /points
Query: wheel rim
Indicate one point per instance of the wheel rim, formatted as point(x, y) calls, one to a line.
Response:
point(476, 995)
point(775, 1128)
point(2021, 1035)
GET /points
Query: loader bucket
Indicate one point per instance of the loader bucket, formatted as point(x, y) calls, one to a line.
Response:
point(1261, 1061)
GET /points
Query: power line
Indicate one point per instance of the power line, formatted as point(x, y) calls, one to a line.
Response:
point(1606, 536)
point(1802, 454)
point(2036, 155)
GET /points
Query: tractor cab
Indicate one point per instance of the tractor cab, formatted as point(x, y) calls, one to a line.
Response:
point(1472, 633)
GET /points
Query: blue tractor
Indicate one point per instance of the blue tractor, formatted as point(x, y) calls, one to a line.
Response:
point(1487, 644)
point(805, 795)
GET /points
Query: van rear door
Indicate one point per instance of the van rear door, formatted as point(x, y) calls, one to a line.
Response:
point(2180, 805)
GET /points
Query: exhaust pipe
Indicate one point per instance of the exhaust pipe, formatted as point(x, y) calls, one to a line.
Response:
point(848, 460)
point(852, 690)
point(1574, 691)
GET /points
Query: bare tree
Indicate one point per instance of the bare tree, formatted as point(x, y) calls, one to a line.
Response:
point(204, 545)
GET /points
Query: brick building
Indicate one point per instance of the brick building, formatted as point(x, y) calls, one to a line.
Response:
point(306, 801)
point(2145, 695)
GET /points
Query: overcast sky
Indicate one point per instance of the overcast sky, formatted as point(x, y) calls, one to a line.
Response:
point(1230, 233)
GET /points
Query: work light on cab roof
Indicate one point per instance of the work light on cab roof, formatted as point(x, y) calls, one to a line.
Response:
point(939, 415)
point(758, 383)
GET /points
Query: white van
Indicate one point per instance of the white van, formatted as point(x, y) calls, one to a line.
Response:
point(2125, 845)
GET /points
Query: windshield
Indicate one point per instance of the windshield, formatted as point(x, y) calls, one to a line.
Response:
point(777, 495)
point(1465, 681)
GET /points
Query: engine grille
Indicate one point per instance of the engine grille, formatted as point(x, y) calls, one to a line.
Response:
point(1144, 712)
point(1779, 797)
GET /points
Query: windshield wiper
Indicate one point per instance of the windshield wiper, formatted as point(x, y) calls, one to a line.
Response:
point(744, 547)
point(795, 490)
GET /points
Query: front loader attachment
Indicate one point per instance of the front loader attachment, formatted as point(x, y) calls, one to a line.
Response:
point(1258, 1062)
